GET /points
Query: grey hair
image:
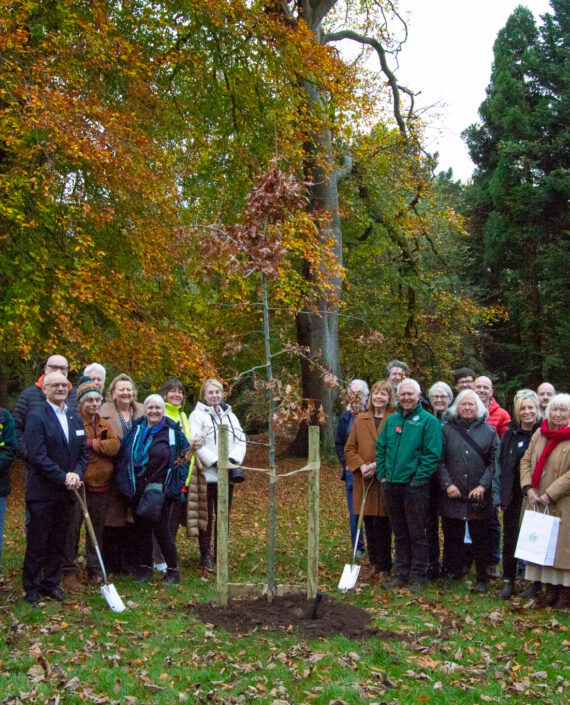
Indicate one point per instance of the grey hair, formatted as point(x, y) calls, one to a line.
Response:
point(154, 398)
point(89, 395)
point(363, 384)
point(562, 400)
point(409, 380)
point(397, 363)
point(442, 386)
point(95, 367)
point(482, 412)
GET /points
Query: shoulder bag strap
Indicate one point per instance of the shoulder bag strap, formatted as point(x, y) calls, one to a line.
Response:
point(466, 437)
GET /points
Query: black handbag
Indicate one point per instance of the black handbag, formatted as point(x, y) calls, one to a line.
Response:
point(151, 502)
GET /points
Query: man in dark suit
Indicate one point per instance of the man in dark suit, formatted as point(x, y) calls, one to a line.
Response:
point(57, 453)
point(33, 396)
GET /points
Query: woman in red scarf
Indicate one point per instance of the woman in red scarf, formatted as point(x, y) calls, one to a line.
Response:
point(545, 479)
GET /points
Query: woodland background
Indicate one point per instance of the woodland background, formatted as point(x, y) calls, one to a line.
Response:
point(140, 144)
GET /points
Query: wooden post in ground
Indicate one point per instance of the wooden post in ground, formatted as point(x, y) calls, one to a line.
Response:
point(271, 435)
point(313, 524)
point(222, 518)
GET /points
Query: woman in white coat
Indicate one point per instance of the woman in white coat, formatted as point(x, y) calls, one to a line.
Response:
point(209, 414)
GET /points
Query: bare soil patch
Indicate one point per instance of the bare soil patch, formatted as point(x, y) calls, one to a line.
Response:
point(293, 614)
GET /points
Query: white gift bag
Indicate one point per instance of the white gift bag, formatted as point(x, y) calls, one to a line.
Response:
point(538, 536)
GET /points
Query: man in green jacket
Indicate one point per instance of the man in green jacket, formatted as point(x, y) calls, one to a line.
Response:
point(407, 454)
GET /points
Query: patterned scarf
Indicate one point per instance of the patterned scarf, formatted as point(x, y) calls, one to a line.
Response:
point(142, 442)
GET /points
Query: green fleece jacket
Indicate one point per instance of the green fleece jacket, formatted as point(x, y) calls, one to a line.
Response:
point(408, 447)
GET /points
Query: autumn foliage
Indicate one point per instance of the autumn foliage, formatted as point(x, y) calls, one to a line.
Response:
point(140, 192)
point(88, 200)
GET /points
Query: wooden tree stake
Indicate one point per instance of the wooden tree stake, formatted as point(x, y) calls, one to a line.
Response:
point(222, 518)
point(313, 523)
point(271, 435)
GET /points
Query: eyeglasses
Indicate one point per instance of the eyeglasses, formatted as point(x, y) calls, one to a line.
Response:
point(61, 368)
point(439, 397)
point(56, 385)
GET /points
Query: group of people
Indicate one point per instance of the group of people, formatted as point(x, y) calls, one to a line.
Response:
point(408, 461)
point(144, 469)
point(141, 471)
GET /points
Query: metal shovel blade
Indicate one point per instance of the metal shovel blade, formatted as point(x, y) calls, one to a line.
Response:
point(113, 598)
point(108, 590)
point(349, 577)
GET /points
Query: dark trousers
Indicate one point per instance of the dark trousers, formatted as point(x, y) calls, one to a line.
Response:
point(432, 529)
point(177, 518)
point(379, 541)
point(118, 549)
point(511, 526)
point(407, 508)
point(453, 546)
point(212, 497)
point(494, 529)
point(45, 538)
point(97, 508)
point(143, 530)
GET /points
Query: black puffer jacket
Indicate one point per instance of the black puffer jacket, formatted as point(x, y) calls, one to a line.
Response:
point(462, 466)
point(507, 480)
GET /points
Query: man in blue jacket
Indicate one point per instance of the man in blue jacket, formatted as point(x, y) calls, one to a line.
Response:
point(57, 453)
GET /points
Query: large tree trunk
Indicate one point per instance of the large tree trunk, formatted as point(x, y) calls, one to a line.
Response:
point(317, 323)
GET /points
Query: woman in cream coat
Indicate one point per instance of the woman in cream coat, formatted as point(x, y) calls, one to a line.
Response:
point(208, 415)
point(545, 479)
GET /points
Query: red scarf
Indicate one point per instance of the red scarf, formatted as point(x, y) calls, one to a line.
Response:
point(555, 437)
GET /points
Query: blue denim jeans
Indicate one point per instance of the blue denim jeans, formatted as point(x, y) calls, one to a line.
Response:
point(2, 518)
point(353, 518)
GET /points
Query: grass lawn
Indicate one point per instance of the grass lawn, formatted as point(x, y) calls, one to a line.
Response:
point(448, 647)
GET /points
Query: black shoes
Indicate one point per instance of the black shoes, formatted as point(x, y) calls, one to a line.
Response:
point(532, 590)
point(56, 593)
point(418, 586)
point(32, 597)
point(552, 593)
point(397, 582)
point(172, 576)
point(507, 591)
point(480, 587)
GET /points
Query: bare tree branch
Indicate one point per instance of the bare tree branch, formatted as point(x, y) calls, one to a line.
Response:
point(375, 44)
point(411, 96)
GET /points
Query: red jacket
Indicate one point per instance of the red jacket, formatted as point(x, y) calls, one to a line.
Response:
point(498, 417)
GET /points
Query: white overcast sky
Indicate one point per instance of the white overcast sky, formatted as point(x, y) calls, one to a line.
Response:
point(448, 58)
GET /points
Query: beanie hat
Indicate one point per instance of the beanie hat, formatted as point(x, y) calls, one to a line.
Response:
point(87, 388)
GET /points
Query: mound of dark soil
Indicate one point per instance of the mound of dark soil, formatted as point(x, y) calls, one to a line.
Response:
point(293, 613)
